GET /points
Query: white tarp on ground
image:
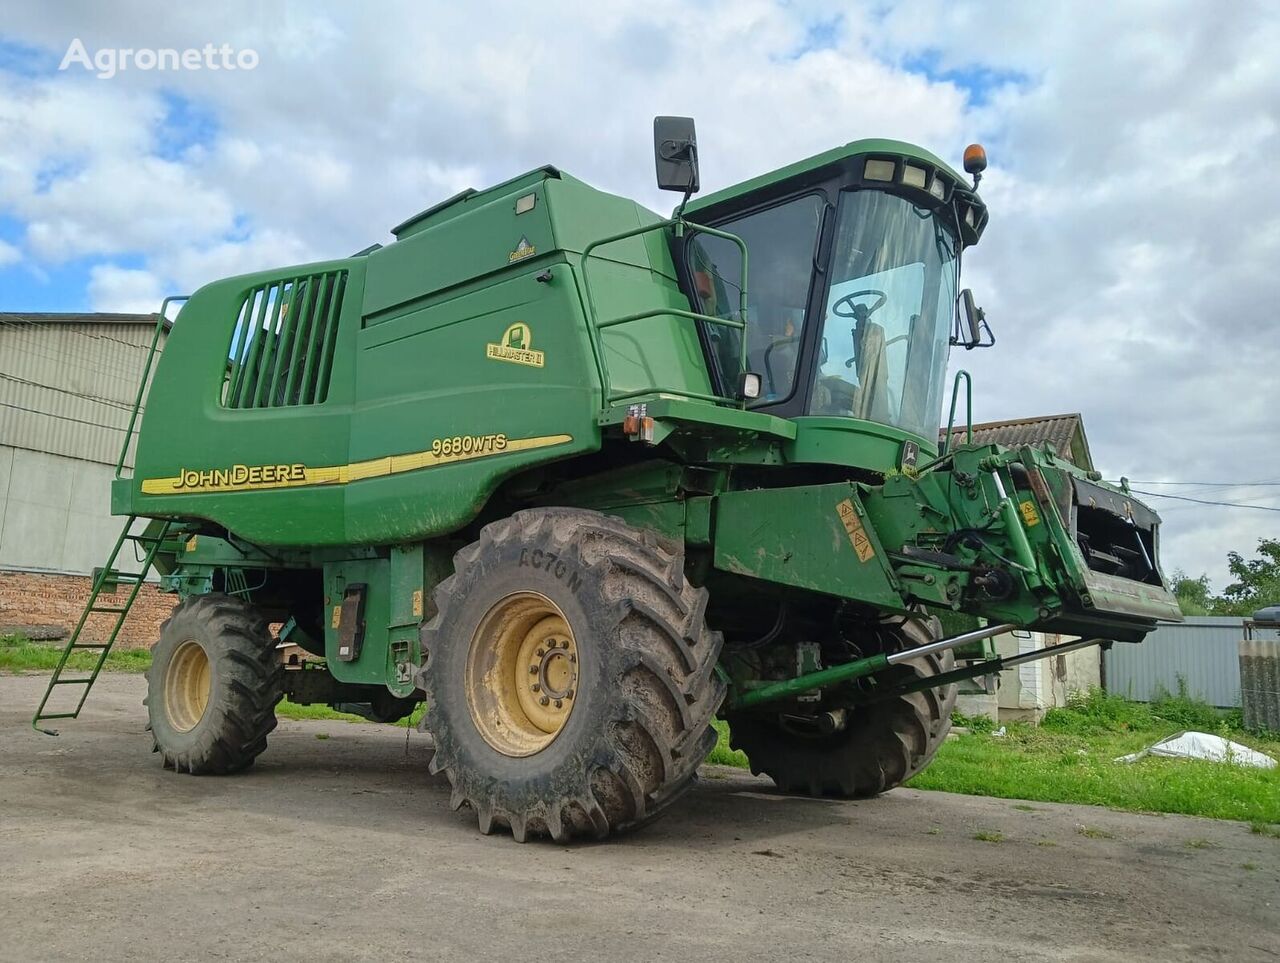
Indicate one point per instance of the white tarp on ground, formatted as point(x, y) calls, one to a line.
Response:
point(1201, 745)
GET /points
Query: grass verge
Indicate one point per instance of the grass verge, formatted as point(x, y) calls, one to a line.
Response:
point(1069, 759)
point(19, 655)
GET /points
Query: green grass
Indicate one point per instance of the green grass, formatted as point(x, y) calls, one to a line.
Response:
point(722, 755)
point(19, 655)
point(989, 836)
point(1069, 758)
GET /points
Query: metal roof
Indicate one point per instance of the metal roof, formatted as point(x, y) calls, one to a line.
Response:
point(87, 317)
point(1064, 432)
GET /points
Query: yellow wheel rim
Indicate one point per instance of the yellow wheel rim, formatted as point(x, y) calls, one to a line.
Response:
point(187, 684)
point(522, 674)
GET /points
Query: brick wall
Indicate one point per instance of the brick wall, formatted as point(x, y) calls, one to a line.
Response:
point(27, 598)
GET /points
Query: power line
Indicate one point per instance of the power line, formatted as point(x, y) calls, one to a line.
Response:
point(1235, 484)
point(1203, 501)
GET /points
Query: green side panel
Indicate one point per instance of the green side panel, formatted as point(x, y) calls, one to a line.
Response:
point(626, 277)
point(806, 538)
point(850, 441)
point(429, 382)
point(186, 428)
point(374, 664)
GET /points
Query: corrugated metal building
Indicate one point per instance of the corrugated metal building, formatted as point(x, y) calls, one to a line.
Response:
point(67, 387)
point(1203, 653)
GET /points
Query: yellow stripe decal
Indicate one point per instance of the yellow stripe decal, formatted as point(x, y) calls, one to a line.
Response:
point(251, 478)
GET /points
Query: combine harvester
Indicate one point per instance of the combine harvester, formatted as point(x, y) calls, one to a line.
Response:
point(550, 464)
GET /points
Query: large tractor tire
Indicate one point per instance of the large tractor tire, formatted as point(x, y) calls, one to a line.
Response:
point(882, 745)
point(213, 686)
point(569, 676)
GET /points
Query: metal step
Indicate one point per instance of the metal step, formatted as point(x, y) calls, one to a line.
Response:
point(107, 574)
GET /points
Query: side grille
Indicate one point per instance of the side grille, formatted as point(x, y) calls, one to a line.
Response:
point(281, 350)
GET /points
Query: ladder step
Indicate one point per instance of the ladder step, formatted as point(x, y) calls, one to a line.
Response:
point(71, 682)
point(55, 715)
point(106, 608)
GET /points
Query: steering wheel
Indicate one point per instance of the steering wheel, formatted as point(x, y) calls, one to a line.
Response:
point(859, 312)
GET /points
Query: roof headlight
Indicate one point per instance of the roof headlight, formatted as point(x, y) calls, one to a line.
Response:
point(938, 188)
point(914, 176)
point(878, 170)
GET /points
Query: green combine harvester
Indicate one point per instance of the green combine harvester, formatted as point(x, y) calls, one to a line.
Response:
point(550, 465)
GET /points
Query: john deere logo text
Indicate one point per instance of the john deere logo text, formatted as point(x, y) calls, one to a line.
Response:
point(516, 347)
point(238, 476)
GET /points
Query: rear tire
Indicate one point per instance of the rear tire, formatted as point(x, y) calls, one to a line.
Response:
point(213, 686)
point(883, 745)
point(569, 676)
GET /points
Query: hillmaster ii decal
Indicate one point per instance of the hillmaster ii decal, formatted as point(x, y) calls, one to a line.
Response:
point(248, 478)
point(516, 346)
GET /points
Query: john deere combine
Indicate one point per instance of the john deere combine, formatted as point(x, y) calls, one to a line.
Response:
point(551, 465)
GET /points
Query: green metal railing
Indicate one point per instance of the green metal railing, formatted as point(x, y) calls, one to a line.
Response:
point(146, 376)
point(594, 328)
point(951, 418)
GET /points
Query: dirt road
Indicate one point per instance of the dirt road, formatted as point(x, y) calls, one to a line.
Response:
point(337, 845)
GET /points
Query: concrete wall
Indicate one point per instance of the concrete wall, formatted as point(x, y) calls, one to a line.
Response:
point(1028, 691)
point(55, 513)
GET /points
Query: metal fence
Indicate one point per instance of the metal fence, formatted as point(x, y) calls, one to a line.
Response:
point(1203, 651)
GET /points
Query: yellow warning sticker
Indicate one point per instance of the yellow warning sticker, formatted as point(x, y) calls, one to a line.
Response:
point(857, 534)
point(336, 623)
point(417, 602)
point(1029, 513)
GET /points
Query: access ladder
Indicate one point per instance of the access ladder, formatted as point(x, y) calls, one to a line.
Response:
point(149, 539)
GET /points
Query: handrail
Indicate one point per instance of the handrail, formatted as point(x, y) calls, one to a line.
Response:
point(951, 418)
point(594, 327)
point(146, 374)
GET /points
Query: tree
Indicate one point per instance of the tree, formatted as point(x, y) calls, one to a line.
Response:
point(1257, 581)
point(1192, 593)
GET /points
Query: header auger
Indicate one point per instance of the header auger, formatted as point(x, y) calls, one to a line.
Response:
point(558, 467)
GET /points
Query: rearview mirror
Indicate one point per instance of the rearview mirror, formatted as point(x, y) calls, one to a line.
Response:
point(675, 154)
point(971, 328)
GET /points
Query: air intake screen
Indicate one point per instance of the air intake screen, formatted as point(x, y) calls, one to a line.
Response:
point(282, 347)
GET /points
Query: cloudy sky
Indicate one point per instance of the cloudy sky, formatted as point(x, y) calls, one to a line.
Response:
point(1131, 268)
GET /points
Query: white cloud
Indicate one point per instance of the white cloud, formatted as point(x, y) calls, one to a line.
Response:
point(128, 290)
point(9, 254)
point(1128, 269)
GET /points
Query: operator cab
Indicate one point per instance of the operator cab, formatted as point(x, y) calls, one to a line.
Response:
point(852, 286)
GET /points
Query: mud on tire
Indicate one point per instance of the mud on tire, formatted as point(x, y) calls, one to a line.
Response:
point(213, 686)
point(883, 745)
point(647, 688)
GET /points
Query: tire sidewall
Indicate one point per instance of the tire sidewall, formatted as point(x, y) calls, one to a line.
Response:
point(529, 562)
point(183, 627)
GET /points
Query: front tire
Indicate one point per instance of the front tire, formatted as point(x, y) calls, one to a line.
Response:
point(569, 676)
point(883, 745)
point(213, 686)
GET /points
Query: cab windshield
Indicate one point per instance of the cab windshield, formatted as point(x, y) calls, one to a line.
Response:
point(884, 306)
point(887, 314)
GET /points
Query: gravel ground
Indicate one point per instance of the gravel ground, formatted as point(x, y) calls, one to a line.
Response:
point(337, 845)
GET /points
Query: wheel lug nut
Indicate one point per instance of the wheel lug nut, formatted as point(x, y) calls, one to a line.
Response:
point(544, 700)
point(541, 653)
point(573, 658)
point(533, 670)
point(559, 704)
point(569, 694)
point(535, 687)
